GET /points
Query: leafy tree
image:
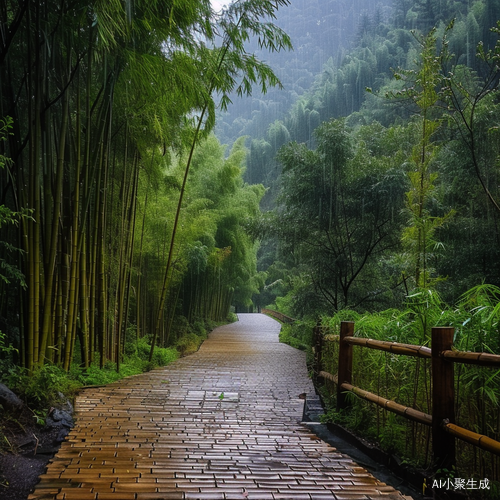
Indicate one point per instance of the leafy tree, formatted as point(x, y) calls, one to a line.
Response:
point(215, 260)
point(259, 157)
point(464, 94)
point(336, 214)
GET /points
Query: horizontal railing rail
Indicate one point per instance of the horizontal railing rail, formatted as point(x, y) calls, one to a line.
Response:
point(387, 404)
point(479, 440)
point(394, 347)
point(279, 316)
point(472, 358)
point(443, 357)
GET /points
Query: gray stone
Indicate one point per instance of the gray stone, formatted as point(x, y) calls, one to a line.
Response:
point(59, 418)
point(9, 401)
point(65, 403)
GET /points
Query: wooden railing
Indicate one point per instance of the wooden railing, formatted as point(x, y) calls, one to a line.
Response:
point(279, 316)
point(442, 356)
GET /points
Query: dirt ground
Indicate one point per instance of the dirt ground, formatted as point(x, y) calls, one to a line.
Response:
point(24, 454)
point(19, 474)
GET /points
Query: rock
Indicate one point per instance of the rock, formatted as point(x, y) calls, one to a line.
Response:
point(58, 424)
point(65, 403)
point(59, 418)
point(27, 442)
point(9, 401)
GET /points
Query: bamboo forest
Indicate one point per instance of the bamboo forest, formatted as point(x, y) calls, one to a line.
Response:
point(168, 164)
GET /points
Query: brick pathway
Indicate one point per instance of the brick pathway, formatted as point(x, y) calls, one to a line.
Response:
point(224, 423)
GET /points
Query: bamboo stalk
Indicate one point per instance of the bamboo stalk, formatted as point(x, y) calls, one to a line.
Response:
point(54, 232)
point(122, 266)
point(103, 304)
point(73, 293)
point(132, 226)
point(84, 306)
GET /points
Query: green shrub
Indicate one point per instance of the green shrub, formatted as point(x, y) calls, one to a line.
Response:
point(94, 375)
point(42, 388)
point(180, 327)
point(7, 353)
point(143, 348)
point(162, 356)
point(130, 347)
point(232, 317)
point(198, 328)
point(188, 344)
point(298, 334)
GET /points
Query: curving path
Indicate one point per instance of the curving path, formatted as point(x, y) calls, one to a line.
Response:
point(224, 423)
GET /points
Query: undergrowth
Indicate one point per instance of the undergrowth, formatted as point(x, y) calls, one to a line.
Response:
point(407, 380)
point(297, 334)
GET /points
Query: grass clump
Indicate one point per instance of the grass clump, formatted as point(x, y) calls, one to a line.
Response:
point(297, 334)
point(189, 344)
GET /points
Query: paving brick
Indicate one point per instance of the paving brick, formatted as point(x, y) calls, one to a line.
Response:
point(116, 496)
point(166, 435)
point(174, 495)
point(76, 494)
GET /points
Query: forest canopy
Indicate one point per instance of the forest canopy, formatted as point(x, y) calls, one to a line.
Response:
point(164, 165)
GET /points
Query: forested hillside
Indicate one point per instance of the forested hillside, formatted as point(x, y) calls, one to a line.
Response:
point(383, 175)
point(320, 30)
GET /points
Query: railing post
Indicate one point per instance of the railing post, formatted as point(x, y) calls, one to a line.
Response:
point(443, 398)
point(318, 351)
point(345, 362)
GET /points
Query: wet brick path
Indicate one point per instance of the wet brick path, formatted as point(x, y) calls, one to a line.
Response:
point(224, 423)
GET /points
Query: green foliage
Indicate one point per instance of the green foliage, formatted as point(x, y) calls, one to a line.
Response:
point(421, 86)
point(221, 250)
point(391, 437)
point(358, 418)
point(9, 271)
point(6, 350)
point(406, 380)
point(298, 335)
point(5, 126)
point(128, 93)
point(440, 133)
point(162, 356)
point(188, 344)
point(42, 388)
point(338, 211)
point(94, 375)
